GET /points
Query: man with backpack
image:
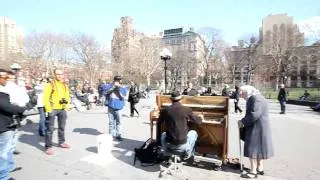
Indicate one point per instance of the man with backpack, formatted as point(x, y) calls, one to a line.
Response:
point(115, 94)
point(176, 118)
point(56, 99)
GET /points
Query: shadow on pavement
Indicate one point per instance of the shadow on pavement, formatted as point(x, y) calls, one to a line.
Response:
point(93, 149)
point(32, 139)
point(89, 131)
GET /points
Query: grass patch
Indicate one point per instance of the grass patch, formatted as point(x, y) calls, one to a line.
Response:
point(294, 93)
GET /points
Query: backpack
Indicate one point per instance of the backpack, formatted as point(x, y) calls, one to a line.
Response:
point(148, 153)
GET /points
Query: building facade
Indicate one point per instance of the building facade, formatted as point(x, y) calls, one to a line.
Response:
point(125, 40)
point(279, 38)
point(11, 39)
point(188, 49)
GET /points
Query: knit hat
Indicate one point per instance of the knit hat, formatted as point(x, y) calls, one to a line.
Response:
point(176, 96)
point(117, 78)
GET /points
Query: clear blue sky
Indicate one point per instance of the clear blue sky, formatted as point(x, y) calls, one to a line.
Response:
point(99, 17)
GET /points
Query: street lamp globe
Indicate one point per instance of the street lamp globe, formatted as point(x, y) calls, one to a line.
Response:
point(165, 55)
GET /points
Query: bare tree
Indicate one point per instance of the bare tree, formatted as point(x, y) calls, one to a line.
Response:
point(213, 54)
point(88, 52)
point(148, 58)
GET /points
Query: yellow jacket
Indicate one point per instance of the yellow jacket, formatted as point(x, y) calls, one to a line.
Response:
point(53, 92)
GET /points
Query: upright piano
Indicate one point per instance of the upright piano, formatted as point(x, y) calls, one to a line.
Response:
point(212, 133)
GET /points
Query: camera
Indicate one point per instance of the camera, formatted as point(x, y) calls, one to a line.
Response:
point(16, 122)
point(63, 101)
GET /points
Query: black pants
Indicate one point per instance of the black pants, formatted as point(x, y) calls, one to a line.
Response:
point(62, 116)
point(133, 108)
point(236, 107)
point(283, 106)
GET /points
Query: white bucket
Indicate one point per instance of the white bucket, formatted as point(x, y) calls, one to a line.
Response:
point(104, 144)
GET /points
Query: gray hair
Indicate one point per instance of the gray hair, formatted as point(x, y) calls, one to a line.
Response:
point(250, 90)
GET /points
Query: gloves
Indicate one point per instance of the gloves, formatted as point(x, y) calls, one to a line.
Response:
point(29, 106)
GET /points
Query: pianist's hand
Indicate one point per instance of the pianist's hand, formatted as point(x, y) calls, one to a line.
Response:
point(201, 116)
point(240, 124)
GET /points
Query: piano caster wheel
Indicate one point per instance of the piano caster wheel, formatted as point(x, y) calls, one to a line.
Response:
point(217, 168)
point(160, 175)
point(225, 162)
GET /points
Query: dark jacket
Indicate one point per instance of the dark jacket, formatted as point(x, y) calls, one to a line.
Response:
point(133, 94)
point(236, 95)
point(7, 110)
point(282, 96)
point(176, 119)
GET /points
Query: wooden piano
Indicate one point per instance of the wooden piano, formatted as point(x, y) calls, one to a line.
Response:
point(212, 133)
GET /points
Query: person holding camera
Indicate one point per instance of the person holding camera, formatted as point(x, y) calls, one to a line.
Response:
point(7, 128)
point(56, 99)
point(115, 94)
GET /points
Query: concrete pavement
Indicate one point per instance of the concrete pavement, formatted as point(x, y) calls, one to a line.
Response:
point(296, 138)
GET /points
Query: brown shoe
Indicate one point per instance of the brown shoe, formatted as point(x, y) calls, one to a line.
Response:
point(64, 145)
point(49, 151)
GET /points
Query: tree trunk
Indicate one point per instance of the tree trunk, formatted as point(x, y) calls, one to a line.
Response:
point(277, 83)
point(148, 80)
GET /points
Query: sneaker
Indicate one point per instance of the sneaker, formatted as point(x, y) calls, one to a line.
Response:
point(64, 145)
point(15, 152)
point(16, 169)
point(49, 151)
point(187, 156)
point(119, 138)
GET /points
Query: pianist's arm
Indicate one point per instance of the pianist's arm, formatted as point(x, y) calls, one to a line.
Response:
point(253, 112)
point(194, 118)
point(162, 116)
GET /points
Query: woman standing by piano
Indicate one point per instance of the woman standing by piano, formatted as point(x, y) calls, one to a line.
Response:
point(257, 139)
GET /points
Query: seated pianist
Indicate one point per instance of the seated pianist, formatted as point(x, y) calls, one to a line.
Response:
point(178, 136)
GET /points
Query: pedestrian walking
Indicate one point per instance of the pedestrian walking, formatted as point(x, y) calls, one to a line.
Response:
point(236, 100)
point(133, 98)
point(257, 132)
point(282, 98)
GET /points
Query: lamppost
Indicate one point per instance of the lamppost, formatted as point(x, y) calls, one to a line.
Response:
point(165, 55)
point(16, 68)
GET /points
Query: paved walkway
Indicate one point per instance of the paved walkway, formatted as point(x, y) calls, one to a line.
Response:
point(296, 140)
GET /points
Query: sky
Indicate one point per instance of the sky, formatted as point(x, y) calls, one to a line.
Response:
point(235, 18)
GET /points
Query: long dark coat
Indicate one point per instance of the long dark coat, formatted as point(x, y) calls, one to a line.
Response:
point(258, 140)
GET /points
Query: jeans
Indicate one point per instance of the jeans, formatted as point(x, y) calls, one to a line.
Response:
point(188, 146)
point(11, 163)
point(114, 122)
point(42, 126)
point(6, 154)
point(283, 106)
point(62, 117)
